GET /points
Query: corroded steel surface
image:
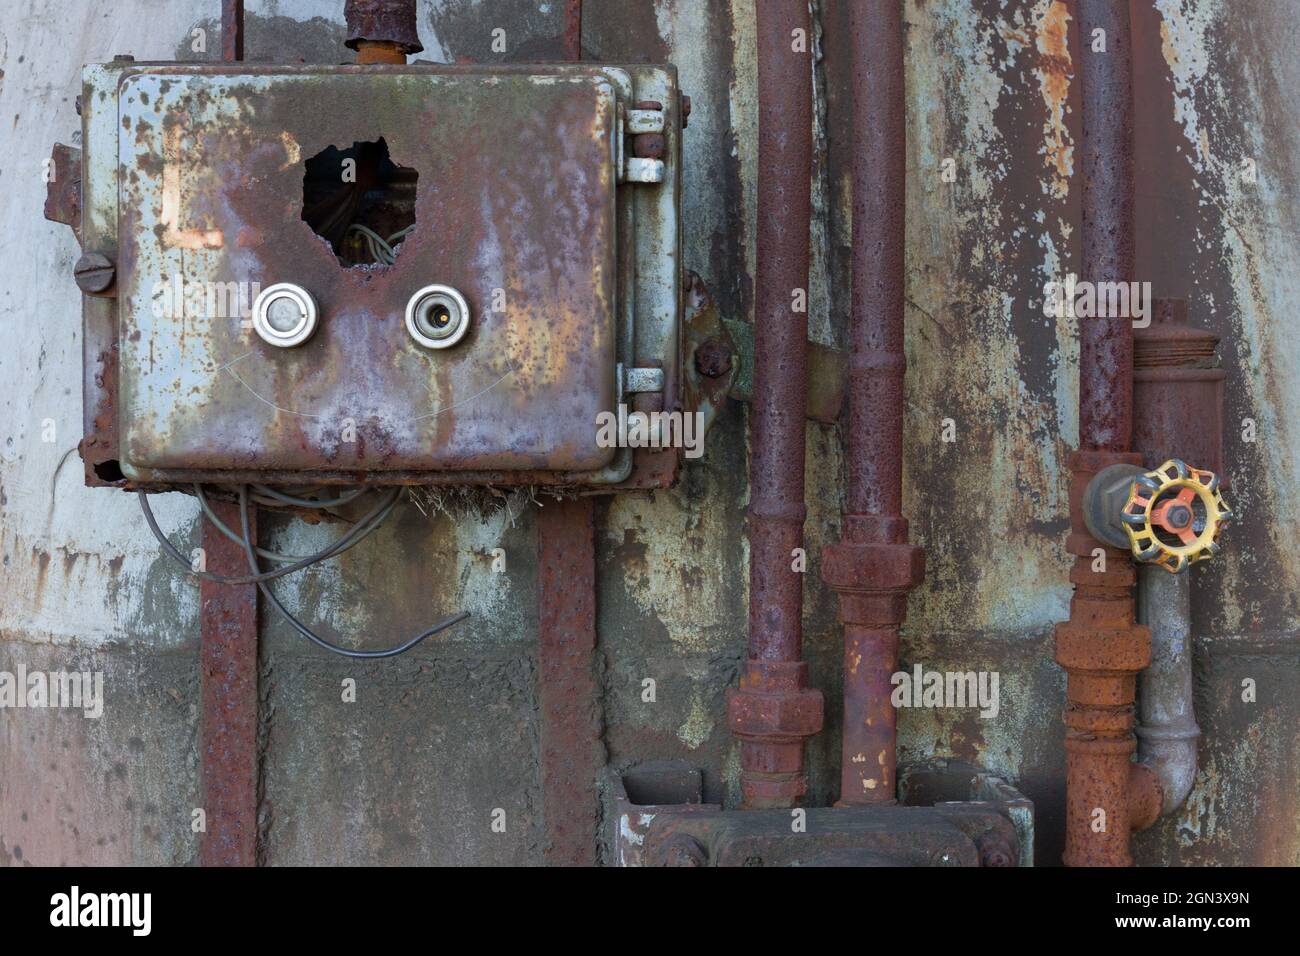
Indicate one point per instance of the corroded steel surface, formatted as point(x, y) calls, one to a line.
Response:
point(573, 29)
point(568, 692)
point(952, 835)
point(1101, 646)
point(871, 580)
point(874, 463)
point(383, 21)
point(1178, 385)
point(773, 711)
point(228, 652)
point(776, 506)
point(63, 191)
point(215, 194)
point(228, 694)
point(648, 300)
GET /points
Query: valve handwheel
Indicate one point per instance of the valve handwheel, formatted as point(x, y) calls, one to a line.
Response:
point(1174, 516)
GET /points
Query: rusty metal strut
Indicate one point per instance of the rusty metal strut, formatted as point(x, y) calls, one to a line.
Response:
point(228, 756)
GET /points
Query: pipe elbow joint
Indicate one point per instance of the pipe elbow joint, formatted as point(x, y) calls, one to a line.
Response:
point(1170, 752)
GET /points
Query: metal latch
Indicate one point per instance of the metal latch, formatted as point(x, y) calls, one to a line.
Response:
point(634, 380)
point(645, 124)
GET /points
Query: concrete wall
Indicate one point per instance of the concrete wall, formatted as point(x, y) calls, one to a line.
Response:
point(441, 737)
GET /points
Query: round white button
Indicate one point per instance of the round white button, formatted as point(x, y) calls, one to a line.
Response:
point(284, 315)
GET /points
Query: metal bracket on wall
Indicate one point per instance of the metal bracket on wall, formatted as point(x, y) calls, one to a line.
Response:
point(952, 814)
point(827, 373)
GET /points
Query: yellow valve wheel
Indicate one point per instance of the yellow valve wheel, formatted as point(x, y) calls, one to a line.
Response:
point(1174, 516)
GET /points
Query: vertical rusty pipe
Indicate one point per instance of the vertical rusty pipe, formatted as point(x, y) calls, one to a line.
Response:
point(873, 567)
point(1102, 647)
point(232, 30)
point(573, 29)
point(1106, 168)
point(1178, 384)
point(773, 711)
point(875, 452)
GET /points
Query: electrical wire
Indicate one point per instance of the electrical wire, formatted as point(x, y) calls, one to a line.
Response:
point(381, 249)
point(307, 632)
point(263, 552)
point(368, 524)
point(358, 532)
point(301, 502)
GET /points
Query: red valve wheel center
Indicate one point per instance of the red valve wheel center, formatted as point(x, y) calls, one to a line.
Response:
point(1174, 515)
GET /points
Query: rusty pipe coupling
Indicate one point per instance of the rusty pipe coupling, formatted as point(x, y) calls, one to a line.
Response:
point(382, 21)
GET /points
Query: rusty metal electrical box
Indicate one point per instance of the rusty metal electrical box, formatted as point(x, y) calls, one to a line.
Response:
point(380, 275)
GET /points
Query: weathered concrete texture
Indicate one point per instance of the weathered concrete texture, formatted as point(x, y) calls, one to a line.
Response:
point(1245, 805)
point(435, 750)
point(436, 741)
point(1021, 743)
point(81, 586)
point(115, 790)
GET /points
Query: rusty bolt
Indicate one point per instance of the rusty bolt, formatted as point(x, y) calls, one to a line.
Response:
point(94, 272)
point(681, 849)
point(994, 851)
point(713, 358)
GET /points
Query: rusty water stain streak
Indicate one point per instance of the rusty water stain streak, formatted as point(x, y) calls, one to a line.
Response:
point(984, 108)
point(1052, 40)
point(289, 411)
point(1222, 111)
